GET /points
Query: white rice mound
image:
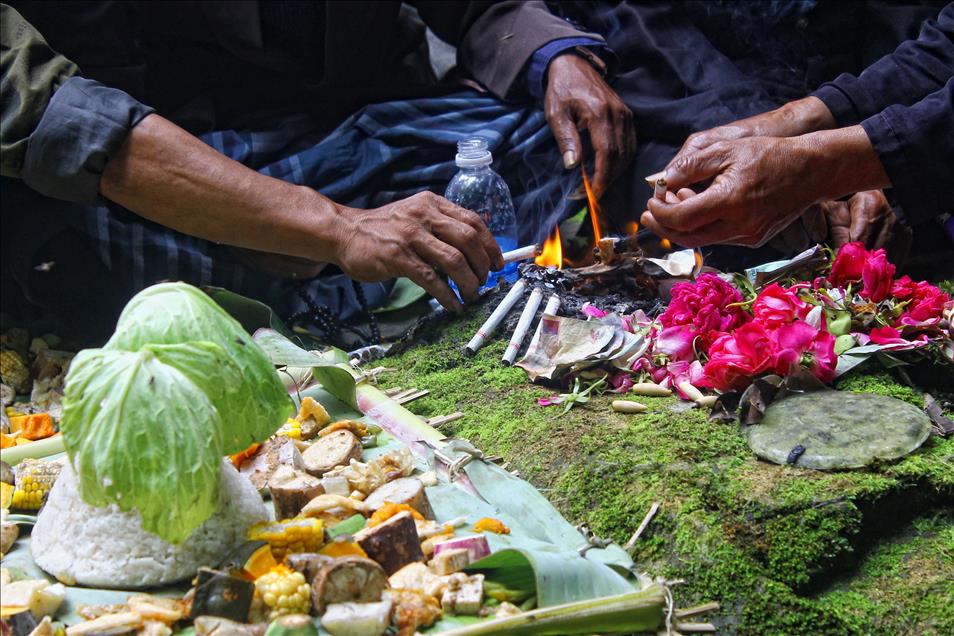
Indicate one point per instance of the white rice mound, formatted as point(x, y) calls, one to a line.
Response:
point(105, 547)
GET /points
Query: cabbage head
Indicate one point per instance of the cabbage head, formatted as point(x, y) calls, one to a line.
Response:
point(148, 418)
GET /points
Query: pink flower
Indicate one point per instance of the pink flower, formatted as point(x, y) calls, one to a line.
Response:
point(704, 306)
point(886, 335)
point(735, 358)
point(925, 301)
point(800, 343)
point(676, 342)
point(848, 264)
point(776, 306)
point(877, 275)
point(592, 311)
point(621, 382)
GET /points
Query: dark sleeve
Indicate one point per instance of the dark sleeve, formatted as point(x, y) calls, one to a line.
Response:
point(58, 129)
point(916, 147)
point(496, 40)
point(30, 72)
point(916, 69)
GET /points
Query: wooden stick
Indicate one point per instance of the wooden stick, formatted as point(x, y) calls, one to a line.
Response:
point(649, 517)
point(441, 420)
point(411, 397)
point(695, 627)
point(698, 609)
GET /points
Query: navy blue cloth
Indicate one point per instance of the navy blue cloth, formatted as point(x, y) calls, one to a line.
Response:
point(83, 126)
point(540, 62)
point(905, 103)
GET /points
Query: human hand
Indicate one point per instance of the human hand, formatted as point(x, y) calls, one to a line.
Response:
point(795, 118)
point(577, 97)
point(867, 217)
point(418, 237)
point(760, 186)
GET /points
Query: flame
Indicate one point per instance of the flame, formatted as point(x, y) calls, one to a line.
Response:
point(666, 244)
point(632, 228)
point(593, 207)
point(698, 256)
point(552, 253)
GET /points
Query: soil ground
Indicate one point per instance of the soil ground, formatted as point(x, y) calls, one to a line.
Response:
point(784, 550)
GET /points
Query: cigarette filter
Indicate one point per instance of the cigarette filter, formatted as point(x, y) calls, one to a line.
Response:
point(496, 316)
point(523, 326)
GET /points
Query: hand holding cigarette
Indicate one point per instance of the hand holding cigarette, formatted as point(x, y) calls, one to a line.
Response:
point(425, 238)
point(759, 185)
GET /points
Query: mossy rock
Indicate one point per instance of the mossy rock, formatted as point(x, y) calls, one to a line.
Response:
point(835, 429)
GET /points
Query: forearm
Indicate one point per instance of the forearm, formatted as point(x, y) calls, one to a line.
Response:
point(840, 162)
point(794, 118)
point(168, 176)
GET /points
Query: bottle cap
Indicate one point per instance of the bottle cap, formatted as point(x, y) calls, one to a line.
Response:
point(472, 152)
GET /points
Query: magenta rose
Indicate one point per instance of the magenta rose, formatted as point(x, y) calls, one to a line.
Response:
point(848, 264)
point(735, 358)
point(925, 302)
point(877, 275)
point(704, 306)
point(776, 306)
point(800, 343)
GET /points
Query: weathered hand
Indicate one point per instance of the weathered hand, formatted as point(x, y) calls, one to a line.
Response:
point(577, 98)
point(759, 186)
point(795, 118)
point(423, 237)
point(867, 217)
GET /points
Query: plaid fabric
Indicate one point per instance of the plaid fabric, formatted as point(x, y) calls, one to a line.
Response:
point(382, 153)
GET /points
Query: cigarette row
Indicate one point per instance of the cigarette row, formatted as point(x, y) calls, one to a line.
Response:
point(523, 324)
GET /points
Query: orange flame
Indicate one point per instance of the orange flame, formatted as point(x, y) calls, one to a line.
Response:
point(632, 228)
point(593, 207)
point(698, 256)
point(552, 253)
point(666, 244)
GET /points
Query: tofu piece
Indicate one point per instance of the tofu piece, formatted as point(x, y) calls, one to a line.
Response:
point(450, 561)
point(463, 595)
point(393, 543)
point(416, 576)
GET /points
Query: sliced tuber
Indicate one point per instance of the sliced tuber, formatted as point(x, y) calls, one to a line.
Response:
point(331, 451)
point(291, 489)
point(345, 580)
point(406, 490)
point(393, 543)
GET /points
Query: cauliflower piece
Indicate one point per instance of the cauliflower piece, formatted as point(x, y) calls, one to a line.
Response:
point(109, 548)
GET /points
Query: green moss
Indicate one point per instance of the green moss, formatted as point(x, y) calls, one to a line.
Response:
point(882, 384)
point(758, 538)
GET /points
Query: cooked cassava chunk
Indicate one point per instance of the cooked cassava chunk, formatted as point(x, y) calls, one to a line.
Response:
point(347, 579)
point(331, 451)
point(393, 544)
point(406, 490)
point(357, 619)
point(291, 489)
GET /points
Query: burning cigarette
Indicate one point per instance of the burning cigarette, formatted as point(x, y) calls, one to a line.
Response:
point(659, 190)
point(496, 316)
point(521, 253)
point(523, 326)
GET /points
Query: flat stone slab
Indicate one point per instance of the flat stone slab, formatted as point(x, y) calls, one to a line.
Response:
point(836, 429)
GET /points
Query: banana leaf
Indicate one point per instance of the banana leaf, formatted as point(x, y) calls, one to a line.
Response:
point(283, 352)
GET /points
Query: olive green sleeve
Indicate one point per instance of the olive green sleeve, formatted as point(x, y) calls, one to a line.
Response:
point(30, 72)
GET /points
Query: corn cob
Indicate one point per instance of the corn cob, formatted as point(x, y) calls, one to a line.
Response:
point(14, 371)
point(284, 591)
point(34, 480)
point(289, 536)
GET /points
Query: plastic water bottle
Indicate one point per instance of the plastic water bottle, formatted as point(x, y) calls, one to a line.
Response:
point(478, 188)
